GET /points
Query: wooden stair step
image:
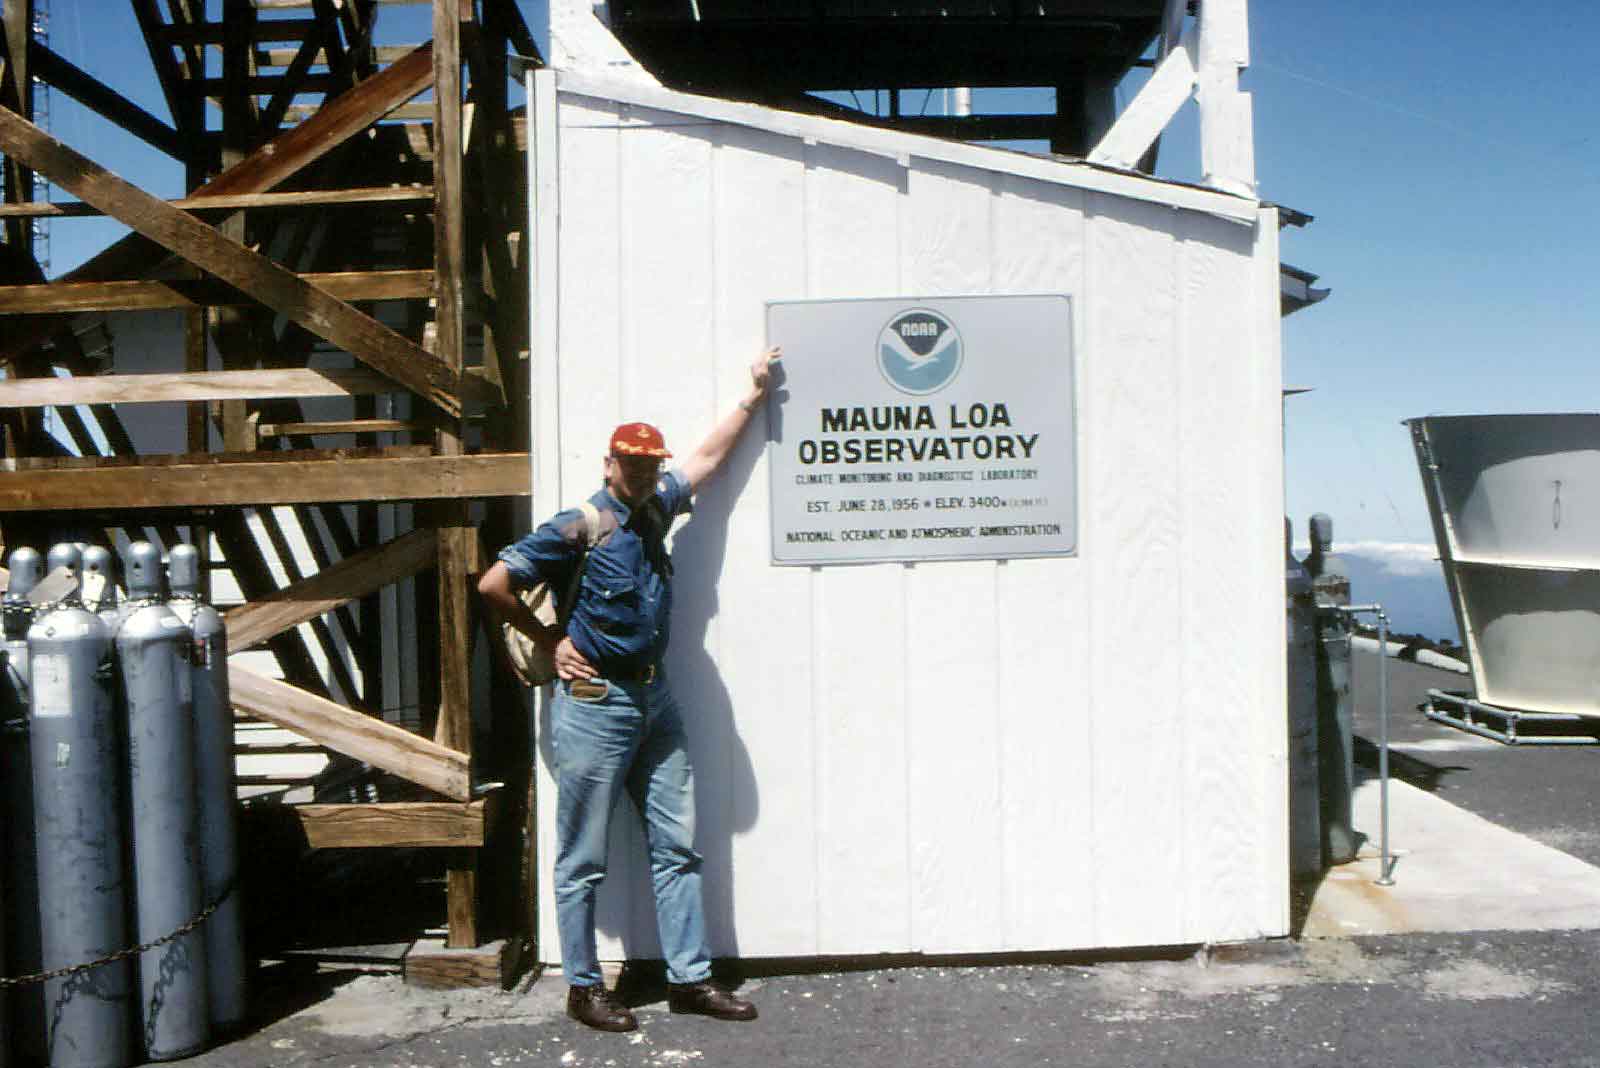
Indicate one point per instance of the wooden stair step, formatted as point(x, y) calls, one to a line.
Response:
point(291, 29)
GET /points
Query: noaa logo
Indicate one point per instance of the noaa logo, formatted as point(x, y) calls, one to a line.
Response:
point(919, 351)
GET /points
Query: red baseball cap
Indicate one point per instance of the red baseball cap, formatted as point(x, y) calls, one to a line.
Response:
point(638, 439)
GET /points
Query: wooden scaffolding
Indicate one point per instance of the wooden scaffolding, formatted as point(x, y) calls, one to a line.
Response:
point(348, 267)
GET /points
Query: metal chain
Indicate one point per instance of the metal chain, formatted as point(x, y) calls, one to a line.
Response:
point(121, 954)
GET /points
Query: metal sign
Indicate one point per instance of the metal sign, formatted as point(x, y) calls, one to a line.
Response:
point(912, 428)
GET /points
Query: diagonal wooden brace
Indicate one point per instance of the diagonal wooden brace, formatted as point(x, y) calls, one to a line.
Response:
point(265, 168)
point(279, 289)
point(355, 734)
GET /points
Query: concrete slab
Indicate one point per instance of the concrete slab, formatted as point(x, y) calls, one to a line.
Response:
point(1455, 872)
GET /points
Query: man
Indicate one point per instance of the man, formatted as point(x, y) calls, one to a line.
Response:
point(614, 721)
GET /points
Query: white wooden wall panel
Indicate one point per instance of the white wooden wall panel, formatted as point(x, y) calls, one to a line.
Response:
point(954, 721)
point(587, 386)
point(1220, 508)
point(666, 320)
point(755, 905)
point(1133, 476)
point(1270, 734)
point(1043, 627)
point(947, 757)
point(859, 613)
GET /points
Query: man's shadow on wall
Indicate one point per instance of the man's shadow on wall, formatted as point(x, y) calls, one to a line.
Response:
point(727, 801)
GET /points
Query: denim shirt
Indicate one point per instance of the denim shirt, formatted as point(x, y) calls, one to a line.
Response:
point(620, 621)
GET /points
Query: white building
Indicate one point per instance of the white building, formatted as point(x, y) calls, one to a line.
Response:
point(1077, 752)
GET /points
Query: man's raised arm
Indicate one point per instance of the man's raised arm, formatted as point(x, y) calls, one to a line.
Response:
point(709, 454)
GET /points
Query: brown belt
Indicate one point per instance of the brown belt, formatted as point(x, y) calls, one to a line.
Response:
point(646, 675)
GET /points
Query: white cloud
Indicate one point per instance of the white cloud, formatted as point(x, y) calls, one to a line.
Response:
point(1402, 558)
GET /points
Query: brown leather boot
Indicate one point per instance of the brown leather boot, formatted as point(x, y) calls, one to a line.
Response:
point(596, 1007)
point(708, 999)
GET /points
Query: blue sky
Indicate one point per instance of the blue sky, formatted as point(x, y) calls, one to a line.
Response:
point(1447, 150)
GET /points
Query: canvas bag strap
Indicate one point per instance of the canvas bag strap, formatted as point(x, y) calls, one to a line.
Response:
point(591, 527)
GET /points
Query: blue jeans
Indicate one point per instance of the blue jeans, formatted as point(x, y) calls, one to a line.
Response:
point(630, 737)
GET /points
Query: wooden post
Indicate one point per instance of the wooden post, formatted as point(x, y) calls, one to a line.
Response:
point(454, 725)
point(16, 93)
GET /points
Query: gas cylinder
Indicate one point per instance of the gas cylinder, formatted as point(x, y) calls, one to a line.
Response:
point(153, 650)
point(216, 790)
point(64, 554)
point(21, 911)
point(75, 742)
point(98, 590)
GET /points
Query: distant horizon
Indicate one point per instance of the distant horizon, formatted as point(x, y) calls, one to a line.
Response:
point(1406, 578)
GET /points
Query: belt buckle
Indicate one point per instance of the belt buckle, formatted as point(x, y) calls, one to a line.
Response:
point(649, 675)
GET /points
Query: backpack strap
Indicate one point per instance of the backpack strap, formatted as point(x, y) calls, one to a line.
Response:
point(591, 534)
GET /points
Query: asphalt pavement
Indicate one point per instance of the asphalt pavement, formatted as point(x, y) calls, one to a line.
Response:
point(1481, 822)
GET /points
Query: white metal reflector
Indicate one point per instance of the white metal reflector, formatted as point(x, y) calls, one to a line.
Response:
point(1515, 501)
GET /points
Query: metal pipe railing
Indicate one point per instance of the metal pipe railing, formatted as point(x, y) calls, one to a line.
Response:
point(1386, 861)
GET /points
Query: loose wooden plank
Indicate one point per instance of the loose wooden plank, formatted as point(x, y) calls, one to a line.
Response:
point(366, 738)
point(277, 288)
point(394, 823)
point(191, 386)
point(409, 478)
point(355, 576)
point(77, 297)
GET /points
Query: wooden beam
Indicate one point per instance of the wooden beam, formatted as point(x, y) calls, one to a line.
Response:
point(392, 824)
point(262, 84)
point(279, 289)
point(16, 91)
point(210, 386)
point(453, 726)
point(210, 33)
point(334, 668)
point(149, 296)
point(334, 123)
point(282, 57)
point(449, 257)
point(395, 478)
point(241, 551)
point(366, 738)
point(75, 297)
point(355, 576)
point(105, 101)
point(191, 386)
point(294, 79)
point(205, 206)
point(266, 167)
point(1147, 114)
point(431, 965)
point(341, 426)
